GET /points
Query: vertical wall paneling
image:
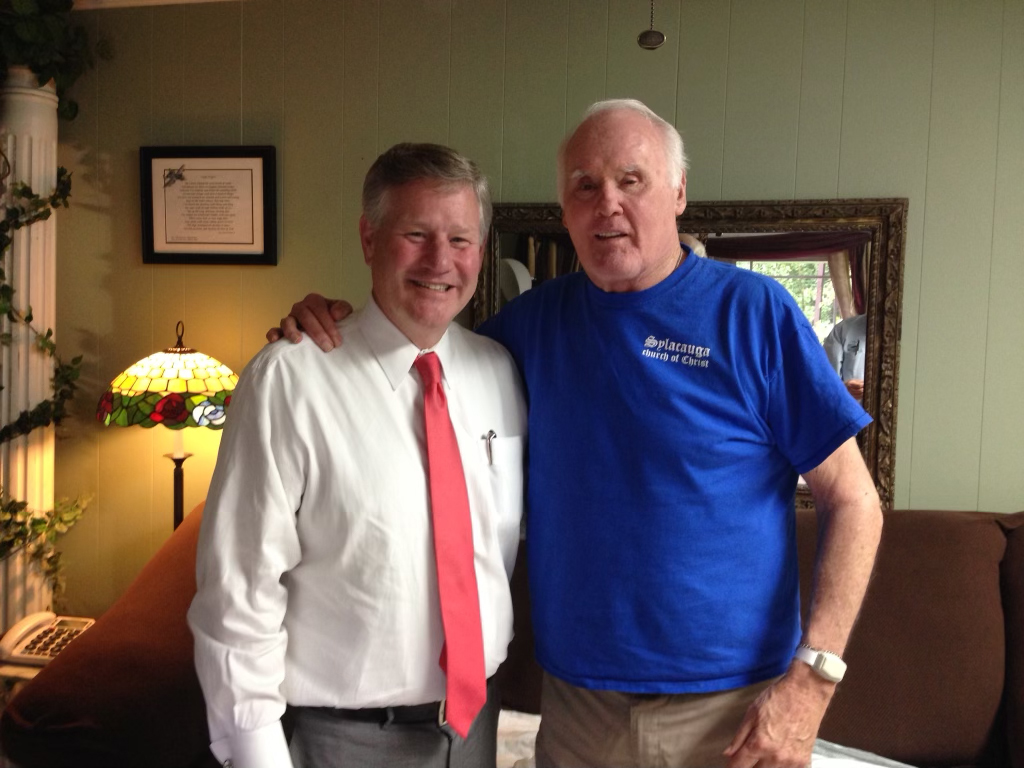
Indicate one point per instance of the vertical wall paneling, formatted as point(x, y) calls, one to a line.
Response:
point(887, 93)
point(588, 57)
point(263, 84)
point(1002, 433)
point(124, 324)
point(164, 107)
point(262, 70)
point(166, 104)
point(821, 99)
point(414, 37)
point(212, 107)
point(884, 152)
point(535, 111)
point(704, 29)
point(762, 107)
point(478, 83)
point(310, 162)
point(210, 52)
point(82, 282)
point(634, 72)
point(361, 132)
point(958, 254)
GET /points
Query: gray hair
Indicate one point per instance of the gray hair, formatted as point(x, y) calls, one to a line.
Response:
point(672, 142)
point(405, 163)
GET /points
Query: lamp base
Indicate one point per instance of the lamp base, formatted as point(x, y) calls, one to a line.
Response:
point(179, 487)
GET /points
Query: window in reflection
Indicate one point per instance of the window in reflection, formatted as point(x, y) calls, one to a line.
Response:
point(810, 283)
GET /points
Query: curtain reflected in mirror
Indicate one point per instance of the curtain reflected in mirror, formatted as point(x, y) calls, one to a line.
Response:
point(842, 260)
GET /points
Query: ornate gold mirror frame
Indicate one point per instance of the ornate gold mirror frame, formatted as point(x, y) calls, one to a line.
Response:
point(884, 218)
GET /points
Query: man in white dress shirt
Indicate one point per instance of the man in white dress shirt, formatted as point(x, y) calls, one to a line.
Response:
point(317, 582)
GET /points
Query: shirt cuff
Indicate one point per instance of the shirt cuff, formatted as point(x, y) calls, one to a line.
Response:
point(263, 748)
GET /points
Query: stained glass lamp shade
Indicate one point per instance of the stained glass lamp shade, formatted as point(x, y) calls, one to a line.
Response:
point(176, 388)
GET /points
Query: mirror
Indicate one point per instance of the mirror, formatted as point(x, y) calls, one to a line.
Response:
point(532, 234)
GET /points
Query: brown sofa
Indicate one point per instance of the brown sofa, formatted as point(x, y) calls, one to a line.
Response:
point(936, 661)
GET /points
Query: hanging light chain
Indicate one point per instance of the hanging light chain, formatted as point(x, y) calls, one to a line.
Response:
point(650, 38)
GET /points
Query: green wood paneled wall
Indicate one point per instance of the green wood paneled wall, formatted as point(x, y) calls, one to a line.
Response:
point(775, 98)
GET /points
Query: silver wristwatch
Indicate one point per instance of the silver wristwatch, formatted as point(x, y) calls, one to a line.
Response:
point(827, 664)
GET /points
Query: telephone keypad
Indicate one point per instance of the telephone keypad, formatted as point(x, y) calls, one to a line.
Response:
point(40, 642)
point(52, 641)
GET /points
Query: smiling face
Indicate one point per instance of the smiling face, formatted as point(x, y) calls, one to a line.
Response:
point(619, 204)
point(424, 257)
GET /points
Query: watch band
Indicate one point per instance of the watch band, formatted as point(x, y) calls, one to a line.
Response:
point(826, 664)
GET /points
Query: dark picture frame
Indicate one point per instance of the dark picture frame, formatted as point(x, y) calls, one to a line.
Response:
point(209, 205)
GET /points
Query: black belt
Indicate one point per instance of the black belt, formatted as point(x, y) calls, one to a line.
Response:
point(418, 714)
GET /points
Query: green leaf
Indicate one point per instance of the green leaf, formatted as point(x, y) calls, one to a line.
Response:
point(27, 32)
point(24, 7)
point(67, 110)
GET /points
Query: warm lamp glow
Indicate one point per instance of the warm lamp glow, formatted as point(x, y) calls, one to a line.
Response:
point(177, 388)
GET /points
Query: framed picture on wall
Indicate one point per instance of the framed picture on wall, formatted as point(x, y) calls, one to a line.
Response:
point(208, 205)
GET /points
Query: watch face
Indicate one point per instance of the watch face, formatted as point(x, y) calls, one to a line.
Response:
point(830, 667)
point(827, 665)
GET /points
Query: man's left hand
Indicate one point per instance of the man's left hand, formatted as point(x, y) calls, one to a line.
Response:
point(781, 725)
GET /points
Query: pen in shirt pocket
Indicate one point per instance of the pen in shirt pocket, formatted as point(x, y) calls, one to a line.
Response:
point(487, 443)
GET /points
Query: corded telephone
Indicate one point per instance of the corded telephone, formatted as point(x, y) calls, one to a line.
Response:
point(39, 637)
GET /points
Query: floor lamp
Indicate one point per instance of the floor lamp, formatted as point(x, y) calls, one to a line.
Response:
point(176, 388)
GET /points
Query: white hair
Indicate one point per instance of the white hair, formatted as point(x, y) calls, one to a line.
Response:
point(675, 154)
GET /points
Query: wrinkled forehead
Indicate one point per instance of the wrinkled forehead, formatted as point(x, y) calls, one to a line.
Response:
point(433, 199)
point(616, 143)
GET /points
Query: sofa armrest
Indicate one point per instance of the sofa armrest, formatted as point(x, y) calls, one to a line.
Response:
point(927, 657)
point(1013, 606)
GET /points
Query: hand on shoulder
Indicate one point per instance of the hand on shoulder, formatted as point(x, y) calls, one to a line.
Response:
point(317, 317)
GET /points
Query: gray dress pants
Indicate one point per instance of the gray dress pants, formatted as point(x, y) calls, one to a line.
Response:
point(320, 739)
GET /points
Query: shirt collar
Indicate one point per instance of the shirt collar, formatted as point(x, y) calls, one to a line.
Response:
point(395, 353)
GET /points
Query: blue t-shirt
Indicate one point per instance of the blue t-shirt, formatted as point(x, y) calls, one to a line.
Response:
point(667, 428)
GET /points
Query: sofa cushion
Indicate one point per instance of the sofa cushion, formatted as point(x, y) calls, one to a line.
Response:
point(125, 692)
point(1013, 606)
point(927, 655)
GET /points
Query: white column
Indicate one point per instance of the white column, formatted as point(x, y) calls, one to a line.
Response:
point(28, 132)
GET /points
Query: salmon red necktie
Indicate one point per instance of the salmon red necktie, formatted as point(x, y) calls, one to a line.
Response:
point(462, 657)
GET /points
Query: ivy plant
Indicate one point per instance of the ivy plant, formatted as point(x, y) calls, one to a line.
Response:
point(21, 528)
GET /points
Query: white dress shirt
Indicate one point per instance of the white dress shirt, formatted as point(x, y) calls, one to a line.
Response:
point(317, 583)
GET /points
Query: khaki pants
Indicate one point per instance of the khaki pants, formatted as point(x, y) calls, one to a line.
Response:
point(581, 728)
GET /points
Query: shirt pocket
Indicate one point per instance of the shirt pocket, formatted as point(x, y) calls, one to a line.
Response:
point(505, 472)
